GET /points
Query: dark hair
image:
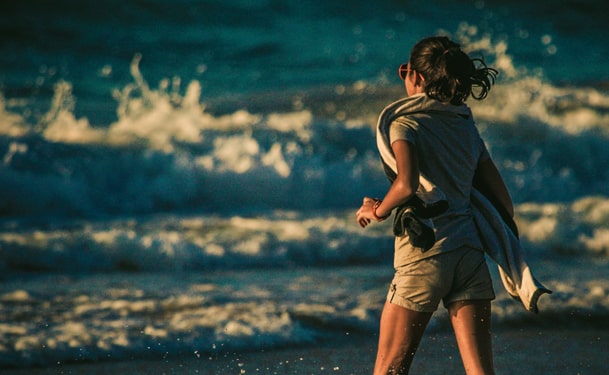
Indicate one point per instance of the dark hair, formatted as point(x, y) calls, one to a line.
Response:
point(450, 74)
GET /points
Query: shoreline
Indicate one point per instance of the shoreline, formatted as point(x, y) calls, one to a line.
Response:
point(518, 351)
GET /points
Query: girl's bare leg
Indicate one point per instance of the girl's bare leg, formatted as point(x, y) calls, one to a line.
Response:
point(400, 334)
point(471, 321)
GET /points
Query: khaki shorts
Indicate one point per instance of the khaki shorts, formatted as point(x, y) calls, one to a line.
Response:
point(458, 275)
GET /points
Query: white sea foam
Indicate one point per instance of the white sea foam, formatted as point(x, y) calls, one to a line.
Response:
point(117, 316)
point(172, 153)
point(166, 153)
point(283, 238)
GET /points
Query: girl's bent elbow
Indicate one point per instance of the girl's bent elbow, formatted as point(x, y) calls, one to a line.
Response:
point(411, 187)
point(407, 190)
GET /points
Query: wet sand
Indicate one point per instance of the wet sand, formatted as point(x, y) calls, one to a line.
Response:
point(517, 351)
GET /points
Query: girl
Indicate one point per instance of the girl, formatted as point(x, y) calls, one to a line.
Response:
point(431, 137)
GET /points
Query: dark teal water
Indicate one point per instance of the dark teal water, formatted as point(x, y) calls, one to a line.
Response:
point(235, 47)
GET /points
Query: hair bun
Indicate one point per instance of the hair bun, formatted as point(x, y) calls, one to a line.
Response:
point(450, 74)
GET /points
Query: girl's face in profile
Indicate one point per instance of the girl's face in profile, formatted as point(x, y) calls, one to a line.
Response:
point(412, 81)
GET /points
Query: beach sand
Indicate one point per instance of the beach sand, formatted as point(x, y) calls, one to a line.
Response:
point(521, 351)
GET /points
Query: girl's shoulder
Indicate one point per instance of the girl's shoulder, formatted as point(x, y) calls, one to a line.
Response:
point(410, 120)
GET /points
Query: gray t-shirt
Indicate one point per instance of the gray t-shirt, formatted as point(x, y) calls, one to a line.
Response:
point(449, 149)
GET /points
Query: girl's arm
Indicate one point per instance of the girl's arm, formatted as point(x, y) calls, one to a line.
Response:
point(402, 189)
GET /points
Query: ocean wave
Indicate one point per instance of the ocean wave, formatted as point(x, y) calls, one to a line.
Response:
point(56, 319)
point(166, 152)
point(192, 242)
point(68, 185)
point(265, 239)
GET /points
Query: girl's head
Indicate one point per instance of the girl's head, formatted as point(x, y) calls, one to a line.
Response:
point(449, 74)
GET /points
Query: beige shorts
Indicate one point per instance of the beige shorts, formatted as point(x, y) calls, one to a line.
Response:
point(458, 275)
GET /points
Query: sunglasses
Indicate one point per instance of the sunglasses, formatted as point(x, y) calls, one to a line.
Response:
point(403, 71)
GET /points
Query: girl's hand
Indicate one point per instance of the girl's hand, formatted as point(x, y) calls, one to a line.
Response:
point(364, 215)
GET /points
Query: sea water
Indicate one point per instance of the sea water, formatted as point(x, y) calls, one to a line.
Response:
point(182, 177)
